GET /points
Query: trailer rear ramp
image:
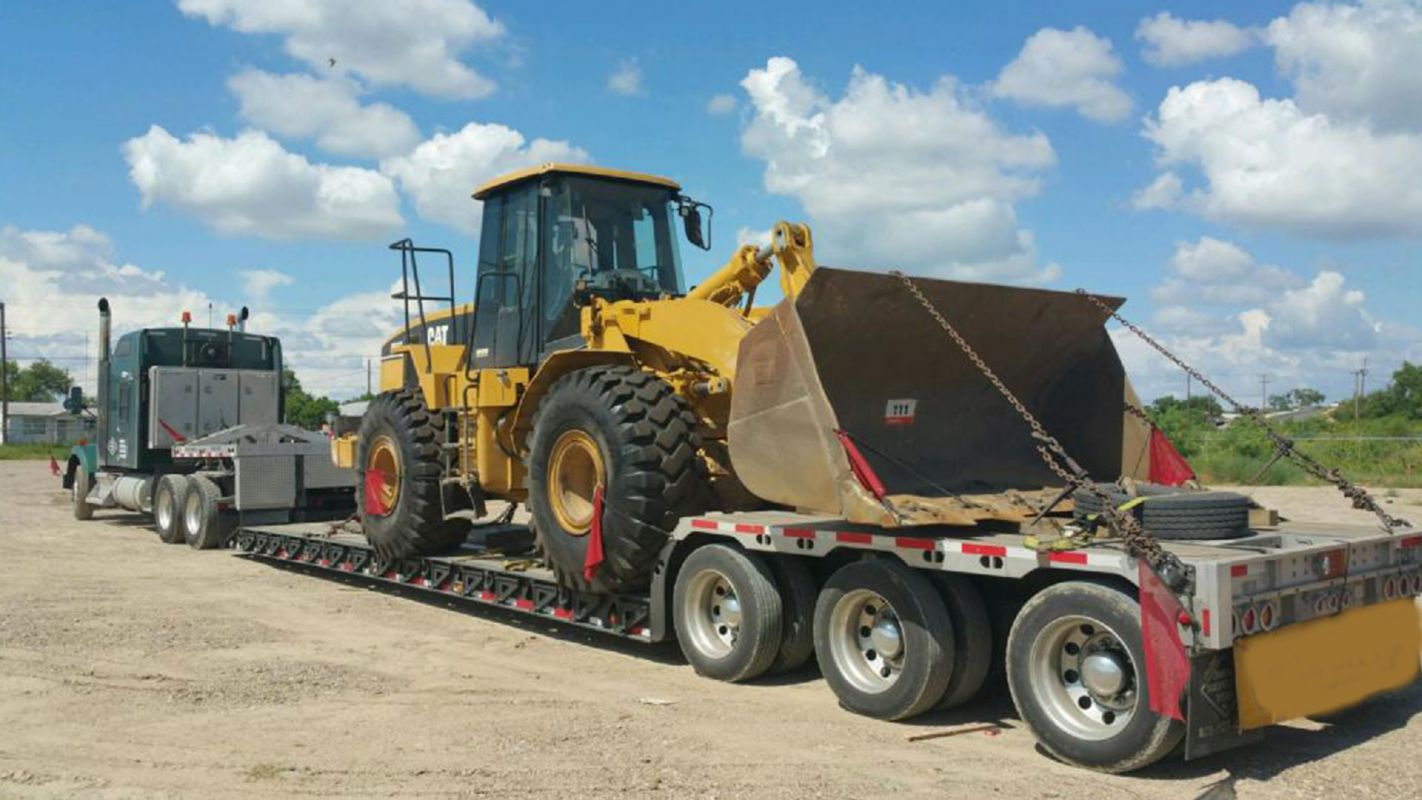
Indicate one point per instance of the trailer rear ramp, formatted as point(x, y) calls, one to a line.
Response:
point(1293, 595)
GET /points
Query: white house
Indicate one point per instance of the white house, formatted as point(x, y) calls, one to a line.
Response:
point(46, 423)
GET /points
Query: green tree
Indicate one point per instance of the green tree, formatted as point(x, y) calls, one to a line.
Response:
point(40, 382)
point(1402, 397)
point(1302, 397)
point(303, 409)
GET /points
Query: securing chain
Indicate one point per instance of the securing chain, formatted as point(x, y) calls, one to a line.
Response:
point(1138, 543)
point(1283, 445)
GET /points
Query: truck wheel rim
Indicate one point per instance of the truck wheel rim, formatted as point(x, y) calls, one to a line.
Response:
point(384, 462)
point(575, 470)
point(192, 512)
point(1084, 677)
point(163, 509)
point(712, 616)
point(866, 641)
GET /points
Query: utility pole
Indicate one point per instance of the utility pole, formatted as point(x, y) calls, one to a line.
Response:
point(4, 381)
point(367, 377)
point(1363, 377)
point(1187, 387)
point(1263, 392)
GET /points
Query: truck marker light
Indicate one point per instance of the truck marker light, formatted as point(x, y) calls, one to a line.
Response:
point(1250, 620)
point(1268, 616)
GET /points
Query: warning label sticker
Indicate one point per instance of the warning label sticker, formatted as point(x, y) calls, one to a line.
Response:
point(900, 411)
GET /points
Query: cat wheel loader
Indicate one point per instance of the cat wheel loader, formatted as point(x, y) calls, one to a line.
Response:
point(586, 381)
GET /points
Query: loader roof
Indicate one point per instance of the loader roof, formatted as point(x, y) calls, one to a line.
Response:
point(517, 176)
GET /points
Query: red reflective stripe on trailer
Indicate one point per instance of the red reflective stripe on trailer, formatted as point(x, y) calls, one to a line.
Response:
point(1067, 558)
point(638, 631)
point(487, 596)
point(322, 562)
point(1238, 570)
point(346, 566)
point(1411, 541)
point(913, 543)
point(523, 605)
point(853, 538)
point(753, 530)
point(1205, 621)
point(563, 613)
point(797, 533)
point(705, 524)
point(970, 549)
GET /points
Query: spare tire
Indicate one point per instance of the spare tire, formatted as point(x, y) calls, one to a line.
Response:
point(627, 431)
point(1167, 512)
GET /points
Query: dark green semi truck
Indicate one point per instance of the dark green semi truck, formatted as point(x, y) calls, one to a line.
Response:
point(181, 410)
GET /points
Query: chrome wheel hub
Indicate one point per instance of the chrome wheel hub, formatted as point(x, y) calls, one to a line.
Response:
point(712, 616)
point(866, 641)
point(1085, 678)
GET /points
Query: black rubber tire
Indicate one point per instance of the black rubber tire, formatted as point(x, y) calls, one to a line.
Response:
point(648, 441)
point(759, 639)
point(1175, 514)
point(83, 482)
point(214, 527)
point(972, 638)
point(927, 633)
point(1146, 738)
point(170, 489)
point(797, 599)
point(416, 525)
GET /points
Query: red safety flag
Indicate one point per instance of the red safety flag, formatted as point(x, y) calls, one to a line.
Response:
point(1167, 666)
point(594, 556)
point(1167, 466)
point(374, 480)
point(53, 467)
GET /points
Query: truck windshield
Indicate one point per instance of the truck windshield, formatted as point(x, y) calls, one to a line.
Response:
point(617, 236)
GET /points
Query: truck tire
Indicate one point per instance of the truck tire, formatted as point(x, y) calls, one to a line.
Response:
point(1076, 671)
point(205, 527)
point(401, 438)
point(972, 638)
point(797, 624)
point(83, 482)
point(883, 639)
point(1173, 514)
point(168, 495)
point(627, 431)
point(727, 613)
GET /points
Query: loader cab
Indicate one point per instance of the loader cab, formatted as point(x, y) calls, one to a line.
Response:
point(555, 235)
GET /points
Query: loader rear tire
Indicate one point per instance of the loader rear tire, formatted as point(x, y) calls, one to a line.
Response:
point(401, 438)
point(628, 431)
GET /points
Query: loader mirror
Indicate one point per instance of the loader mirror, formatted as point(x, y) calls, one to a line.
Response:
point(690, 211)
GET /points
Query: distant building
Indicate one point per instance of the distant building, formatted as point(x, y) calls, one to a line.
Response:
point(46, 423)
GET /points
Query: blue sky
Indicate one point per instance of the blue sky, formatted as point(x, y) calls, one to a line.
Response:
point(1248, 182)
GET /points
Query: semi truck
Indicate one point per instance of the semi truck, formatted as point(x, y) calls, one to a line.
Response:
point(189, 431)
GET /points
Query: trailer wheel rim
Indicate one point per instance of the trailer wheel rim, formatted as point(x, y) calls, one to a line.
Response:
point(866, 641)
point(711, 618)
point(192, 511)
point(575, 470)
point(384, 462)
point(1084, 677)
point(163, 509)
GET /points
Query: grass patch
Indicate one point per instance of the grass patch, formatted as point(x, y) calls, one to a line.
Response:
point(34, 452)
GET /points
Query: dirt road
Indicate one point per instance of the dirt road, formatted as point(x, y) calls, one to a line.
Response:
point(129, 668)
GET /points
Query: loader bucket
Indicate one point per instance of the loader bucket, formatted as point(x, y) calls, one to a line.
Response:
point(856, 352)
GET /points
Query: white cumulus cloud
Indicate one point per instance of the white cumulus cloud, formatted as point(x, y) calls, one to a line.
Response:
point(415, 43)
point(249, 185)
point(1172, 42)
point(896, 177)
point(1060, 69)
point(1268, 163)
point(327, 111)
point(441, 173)
point(258, 284)
point(721, 104)
point(626, 80)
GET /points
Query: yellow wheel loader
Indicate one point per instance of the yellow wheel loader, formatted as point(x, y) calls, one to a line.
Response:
point(586, 381)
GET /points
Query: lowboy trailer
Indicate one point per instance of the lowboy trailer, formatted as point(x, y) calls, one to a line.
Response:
point(1288, 621)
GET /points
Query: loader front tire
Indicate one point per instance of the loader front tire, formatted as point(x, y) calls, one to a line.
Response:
point(627, 431)
point(398, 470)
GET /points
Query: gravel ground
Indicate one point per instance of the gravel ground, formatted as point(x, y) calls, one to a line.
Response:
point(133, 669)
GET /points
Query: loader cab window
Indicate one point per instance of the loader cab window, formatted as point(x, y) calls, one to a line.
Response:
point(617, 237)
point(506, 312)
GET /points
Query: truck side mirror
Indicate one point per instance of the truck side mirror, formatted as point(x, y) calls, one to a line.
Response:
point(74, 403)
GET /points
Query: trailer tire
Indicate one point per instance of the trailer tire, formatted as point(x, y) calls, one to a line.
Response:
point(205, 527)
point(797, 600)
point(972, 638)
point(399, 434)
point(628, 431)
point(727, 613)
point(83, 482)
point(1078, 718)
point(883, 639)
point(168, 494)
